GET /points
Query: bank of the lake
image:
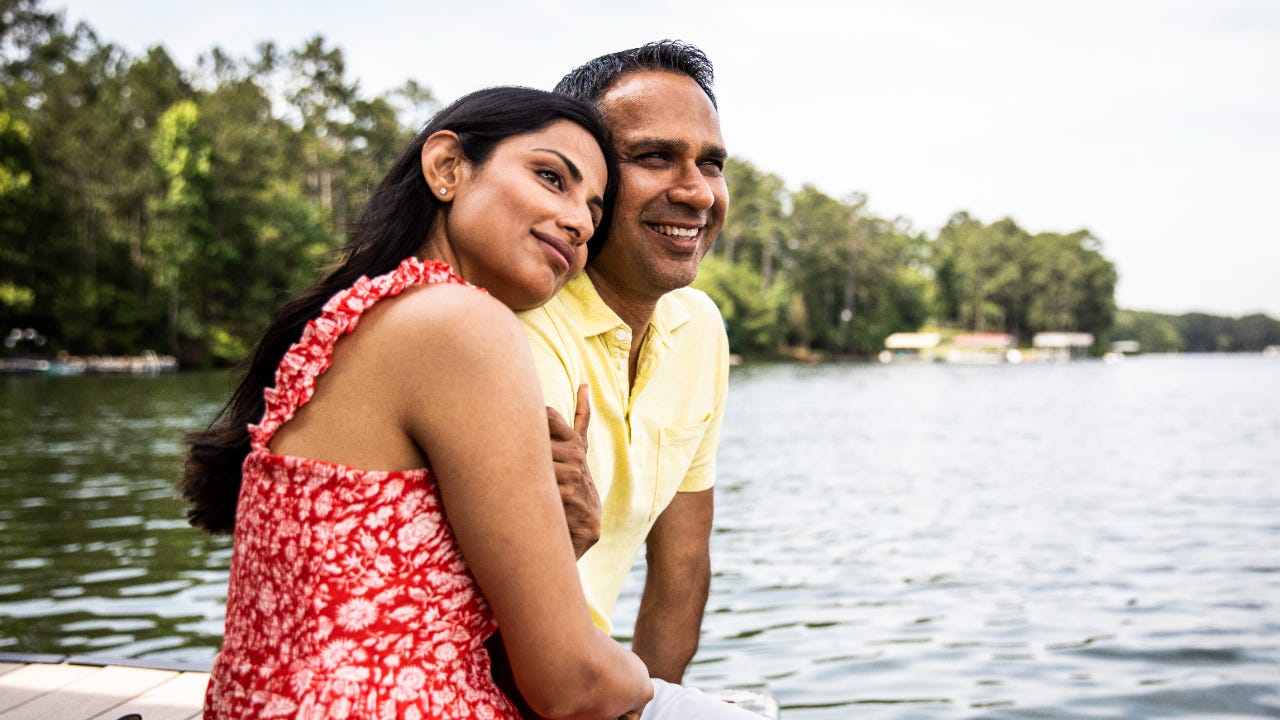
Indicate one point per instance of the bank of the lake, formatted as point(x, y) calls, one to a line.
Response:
point(1070, 540)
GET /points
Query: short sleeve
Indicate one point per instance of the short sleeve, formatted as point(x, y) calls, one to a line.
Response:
point(559, 368)
point(702, 471)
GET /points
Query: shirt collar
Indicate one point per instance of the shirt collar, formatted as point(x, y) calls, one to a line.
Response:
point(597, 317)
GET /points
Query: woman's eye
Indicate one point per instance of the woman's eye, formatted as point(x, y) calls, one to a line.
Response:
point(552, 177)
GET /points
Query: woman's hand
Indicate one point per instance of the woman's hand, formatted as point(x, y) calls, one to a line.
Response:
point(578, 492)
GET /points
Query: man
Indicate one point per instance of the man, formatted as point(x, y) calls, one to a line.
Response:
point(653, 356)
point(652, 352)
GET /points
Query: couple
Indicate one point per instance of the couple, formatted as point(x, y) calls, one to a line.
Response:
point(393, 489)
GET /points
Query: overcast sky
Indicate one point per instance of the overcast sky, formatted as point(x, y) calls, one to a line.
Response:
point(1155, 124)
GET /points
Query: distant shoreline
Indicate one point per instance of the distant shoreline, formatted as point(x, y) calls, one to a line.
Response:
point(148, 363)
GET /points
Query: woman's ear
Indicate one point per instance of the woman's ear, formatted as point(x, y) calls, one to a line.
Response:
point(442, 162)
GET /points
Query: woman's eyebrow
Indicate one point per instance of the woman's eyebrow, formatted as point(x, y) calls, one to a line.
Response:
point(574, 172)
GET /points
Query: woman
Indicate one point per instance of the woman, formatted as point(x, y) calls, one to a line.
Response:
point(351, 595)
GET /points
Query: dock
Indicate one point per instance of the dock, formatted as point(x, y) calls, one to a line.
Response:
point(50, 687)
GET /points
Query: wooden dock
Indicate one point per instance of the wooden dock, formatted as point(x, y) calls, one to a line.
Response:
point(53, 688)
point(44, 687)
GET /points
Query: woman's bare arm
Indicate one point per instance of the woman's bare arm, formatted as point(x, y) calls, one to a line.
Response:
point(473, 404)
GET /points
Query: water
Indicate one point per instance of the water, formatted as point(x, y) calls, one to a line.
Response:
point(1068, 541)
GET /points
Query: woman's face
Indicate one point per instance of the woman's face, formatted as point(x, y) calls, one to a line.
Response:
point(518, 225)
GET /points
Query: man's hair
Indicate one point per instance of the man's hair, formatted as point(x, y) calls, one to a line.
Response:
point(592, 79)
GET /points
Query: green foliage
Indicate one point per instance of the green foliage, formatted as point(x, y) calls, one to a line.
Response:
point(16, 297)
point(1001, 278)
point(1197, 332)
point(1210, 333)
point(15, 143)
point(1153, 331)
point(143, 209)
point(753, 314)
point(225, 348)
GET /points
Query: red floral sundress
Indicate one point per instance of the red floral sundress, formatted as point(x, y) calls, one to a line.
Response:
point(348, 596)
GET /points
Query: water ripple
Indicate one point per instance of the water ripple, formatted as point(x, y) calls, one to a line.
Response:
point(1074, 541)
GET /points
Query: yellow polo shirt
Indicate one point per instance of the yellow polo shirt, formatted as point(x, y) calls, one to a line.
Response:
point(647, 442)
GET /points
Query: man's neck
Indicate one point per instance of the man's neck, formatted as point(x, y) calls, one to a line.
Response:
point(635, 311)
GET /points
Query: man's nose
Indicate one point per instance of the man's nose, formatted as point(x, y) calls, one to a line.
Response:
point(692, 189)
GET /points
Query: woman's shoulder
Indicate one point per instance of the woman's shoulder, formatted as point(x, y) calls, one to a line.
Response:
point(448, 319)
point(451, 307)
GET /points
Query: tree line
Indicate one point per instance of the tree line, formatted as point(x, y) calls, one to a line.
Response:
point(805, 270)
point(144, 206)
point(1197, 332)
point(147, 207)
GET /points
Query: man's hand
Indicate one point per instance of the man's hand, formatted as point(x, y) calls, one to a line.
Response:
point(577, 491)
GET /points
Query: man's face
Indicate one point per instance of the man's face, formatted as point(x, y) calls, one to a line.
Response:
point(672, 197)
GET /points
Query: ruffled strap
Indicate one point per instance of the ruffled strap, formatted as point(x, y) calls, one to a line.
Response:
point(308, 358)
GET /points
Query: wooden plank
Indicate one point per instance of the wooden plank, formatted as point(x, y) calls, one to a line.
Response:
point(178, 698)
point(99, 690)
point(38, 691)
point(24, 684)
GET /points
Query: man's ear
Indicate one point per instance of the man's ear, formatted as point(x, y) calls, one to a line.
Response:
point(442, 163)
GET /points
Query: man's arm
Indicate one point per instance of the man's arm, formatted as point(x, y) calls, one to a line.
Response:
point(675, 590)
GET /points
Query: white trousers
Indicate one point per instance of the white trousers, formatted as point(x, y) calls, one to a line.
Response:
point(676, 702)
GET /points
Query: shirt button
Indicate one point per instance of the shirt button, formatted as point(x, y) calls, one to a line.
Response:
point(620, 334)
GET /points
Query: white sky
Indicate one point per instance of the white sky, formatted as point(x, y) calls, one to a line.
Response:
point(1153, 123)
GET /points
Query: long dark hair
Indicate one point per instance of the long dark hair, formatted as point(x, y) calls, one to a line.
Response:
point(393, 226)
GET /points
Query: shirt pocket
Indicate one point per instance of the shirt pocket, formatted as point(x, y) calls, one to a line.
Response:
point(677, 444)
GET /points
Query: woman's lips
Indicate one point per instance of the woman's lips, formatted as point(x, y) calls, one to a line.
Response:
point(560, 250)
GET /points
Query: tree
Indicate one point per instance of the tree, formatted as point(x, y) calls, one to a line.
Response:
point(756, 229)
point(824, 250)
point(180, 225)
point(1154, 332)
point(999, 277)
point(18, 203)
point(754, 318)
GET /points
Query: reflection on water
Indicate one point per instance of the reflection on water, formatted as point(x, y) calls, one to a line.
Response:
point(1076, 540)
point(96, 557)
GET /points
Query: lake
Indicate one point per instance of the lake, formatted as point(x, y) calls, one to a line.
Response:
point(1074, 540)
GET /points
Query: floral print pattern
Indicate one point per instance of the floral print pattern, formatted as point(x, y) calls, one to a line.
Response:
point(348, 596)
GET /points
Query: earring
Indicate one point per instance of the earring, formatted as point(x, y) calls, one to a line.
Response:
point(444, 191)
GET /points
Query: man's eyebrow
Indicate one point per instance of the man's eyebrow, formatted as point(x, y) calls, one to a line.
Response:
point(657, 144)
point(574, 172)
point(716, 152)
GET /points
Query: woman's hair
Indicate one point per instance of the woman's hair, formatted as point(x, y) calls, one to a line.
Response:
point(393, 225)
